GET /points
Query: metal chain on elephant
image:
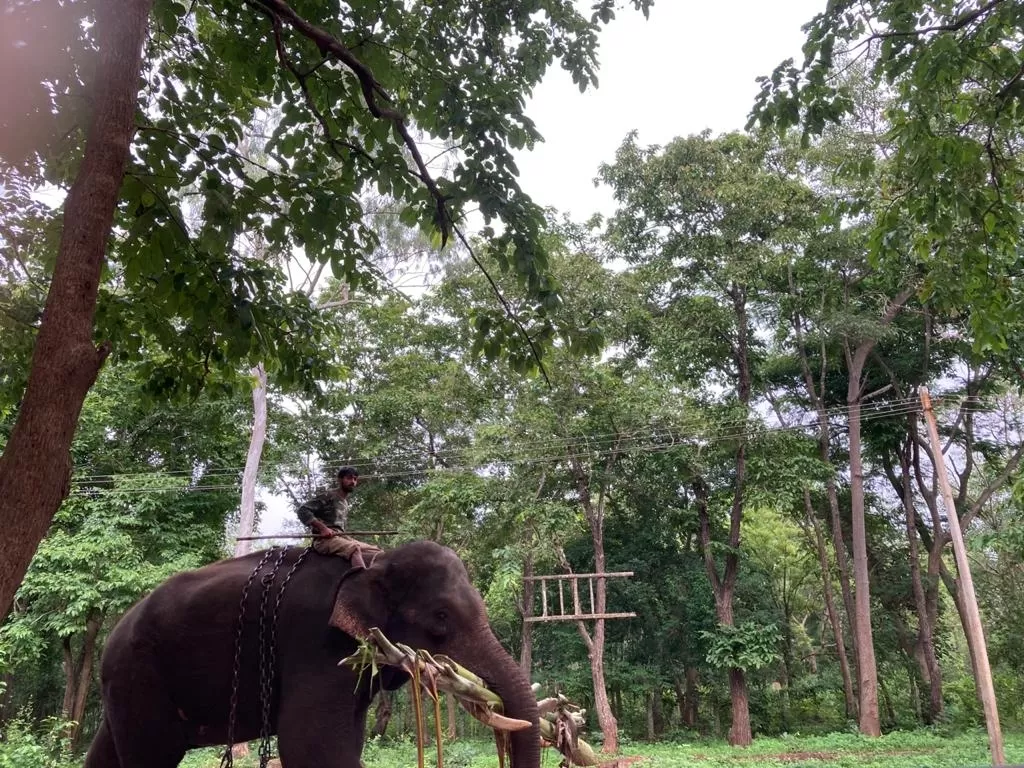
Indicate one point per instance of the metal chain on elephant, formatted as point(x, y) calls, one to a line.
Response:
point(267, 648)
point(228, 758)
point(267, 651)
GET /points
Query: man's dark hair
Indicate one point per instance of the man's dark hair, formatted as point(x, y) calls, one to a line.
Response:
point(347, 472)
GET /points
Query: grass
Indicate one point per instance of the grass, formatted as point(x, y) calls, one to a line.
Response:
point(906, 749)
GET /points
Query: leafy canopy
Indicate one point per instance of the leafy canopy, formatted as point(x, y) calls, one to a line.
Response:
point(952, 76)
point(262, 126)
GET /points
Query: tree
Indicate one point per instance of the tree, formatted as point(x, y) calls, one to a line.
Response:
point(351, 90)
point(702, 221)
point(35, 466)
point(106, 548)
point(953, 76)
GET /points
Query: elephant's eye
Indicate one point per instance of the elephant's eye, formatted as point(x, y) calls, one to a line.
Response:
point(439, 626)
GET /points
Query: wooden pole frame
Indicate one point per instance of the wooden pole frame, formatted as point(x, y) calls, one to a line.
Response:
point(579, 612)
point(968, 597)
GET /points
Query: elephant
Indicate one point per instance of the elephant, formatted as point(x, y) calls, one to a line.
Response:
point(167, 669)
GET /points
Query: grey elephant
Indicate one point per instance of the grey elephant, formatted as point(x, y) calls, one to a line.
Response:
point(167, 669)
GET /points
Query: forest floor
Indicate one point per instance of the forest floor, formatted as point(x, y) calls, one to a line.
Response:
point(904, 749)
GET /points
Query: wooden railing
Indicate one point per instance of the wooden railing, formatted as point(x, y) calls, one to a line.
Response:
point(577, 612)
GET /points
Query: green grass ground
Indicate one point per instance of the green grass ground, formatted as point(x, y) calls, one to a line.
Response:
point(915, 749)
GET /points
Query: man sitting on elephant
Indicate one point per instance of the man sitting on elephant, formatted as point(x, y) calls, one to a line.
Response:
point(327, 516)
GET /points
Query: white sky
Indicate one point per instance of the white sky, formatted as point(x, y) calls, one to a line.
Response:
point(691, 66)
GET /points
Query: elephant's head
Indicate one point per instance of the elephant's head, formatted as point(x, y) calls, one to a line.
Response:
point(420, 594)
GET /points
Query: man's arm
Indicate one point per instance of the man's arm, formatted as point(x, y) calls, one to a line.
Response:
point(310, 514)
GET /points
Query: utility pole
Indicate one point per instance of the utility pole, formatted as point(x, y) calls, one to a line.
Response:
point(968, 599)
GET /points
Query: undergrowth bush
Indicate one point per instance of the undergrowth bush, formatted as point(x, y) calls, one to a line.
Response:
point(24, 744)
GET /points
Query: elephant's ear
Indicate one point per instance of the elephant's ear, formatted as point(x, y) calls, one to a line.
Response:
point(361, 602)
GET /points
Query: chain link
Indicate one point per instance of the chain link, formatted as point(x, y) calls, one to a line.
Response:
point(267, 649)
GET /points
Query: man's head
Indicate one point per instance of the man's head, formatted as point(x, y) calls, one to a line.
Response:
point(348, 479)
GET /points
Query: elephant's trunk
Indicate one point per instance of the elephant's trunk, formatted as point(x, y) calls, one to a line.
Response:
point(485, 656)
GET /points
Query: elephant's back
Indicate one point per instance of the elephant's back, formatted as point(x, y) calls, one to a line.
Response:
point(187, 628)
point(195, 609)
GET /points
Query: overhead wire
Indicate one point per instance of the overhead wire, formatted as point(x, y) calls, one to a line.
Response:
point(682, 428)
point(547, 451)
point(718, 431)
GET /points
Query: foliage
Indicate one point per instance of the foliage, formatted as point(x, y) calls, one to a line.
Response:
point(27, 744)
point(102, 554)
point(253, 147)
point(746, 646)
point(951, 74)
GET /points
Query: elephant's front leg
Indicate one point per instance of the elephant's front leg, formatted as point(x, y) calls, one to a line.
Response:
point(320, 726)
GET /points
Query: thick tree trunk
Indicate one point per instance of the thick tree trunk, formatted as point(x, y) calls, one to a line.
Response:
point(830, 608)
point(35, 469)
point(247, 514)
point(722, 589)
point(740, 734)
point(866, 667)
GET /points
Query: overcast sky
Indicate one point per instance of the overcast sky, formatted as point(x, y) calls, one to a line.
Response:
point(691, 66)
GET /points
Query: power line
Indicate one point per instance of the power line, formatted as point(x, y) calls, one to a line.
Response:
point(606, 445)
point(682, 429)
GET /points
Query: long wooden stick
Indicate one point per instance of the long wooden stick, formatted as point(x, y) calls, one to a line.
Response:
point(968, 598)
point(315, 535)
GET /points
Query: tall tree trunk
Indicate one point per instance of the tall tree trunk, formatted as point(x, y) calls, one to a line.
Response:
point(816, 394)
point(787, 663)
point(842, 561)
point(866, 667)
point(526, 611)
point(722, 588)
point(931, 672)
point(691, 704)
point(92, 630)
point(605, 716)
point(247, 513)
point(594, 511)
point(35, 469)
point(78, 675)
point(657, 711)
point(453, 718)
point(830, 608)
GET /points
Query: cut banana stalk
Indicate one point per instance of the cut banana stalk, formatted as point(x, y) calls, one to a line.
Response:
point(560, 720)
point(441, 671)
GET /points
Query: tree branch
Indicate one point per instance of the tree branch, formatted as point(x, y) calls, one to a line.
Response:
point(953, 26)
point(329, 45)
